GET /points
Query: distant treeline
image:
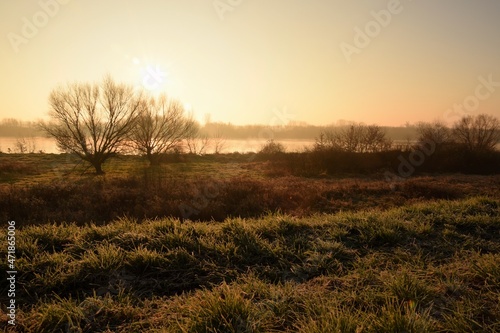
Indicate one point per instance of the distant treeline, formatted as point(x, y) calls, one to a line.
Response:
point(18, 128)
point(292, 131)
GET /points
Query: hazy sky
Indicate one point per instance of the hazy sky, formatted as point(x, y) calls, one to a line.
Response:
point(261, 61)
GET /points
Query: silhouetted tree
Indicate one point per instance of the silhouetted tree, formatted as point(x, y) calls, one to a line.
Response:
point(436, 133)
point(374, 139)
point(162, 126)
point(92, 120)
point(357, 138)
point(477, 133)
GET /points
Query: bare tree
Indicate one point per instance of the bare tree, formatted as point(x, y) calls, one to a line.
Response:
point(24, 145)
point(477, 133)
point(162, 126)
point(219, 142)
point(437, 133)
point(374, 139)
point(354, 138)
point(197, 144)
point(21, 146)
point(92, 120)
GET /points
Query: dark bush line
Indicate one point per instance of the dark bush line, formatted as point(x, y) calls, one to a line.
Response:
point(101, 199)
point(332, 162)
point(14, 167)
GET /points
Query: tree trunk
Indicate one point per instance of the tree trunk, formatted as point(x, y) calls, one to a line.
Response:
point(98, 168)
point(154, 159)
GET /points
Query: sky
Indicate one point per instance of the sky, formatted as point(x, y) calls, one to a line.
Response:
point(265, 62)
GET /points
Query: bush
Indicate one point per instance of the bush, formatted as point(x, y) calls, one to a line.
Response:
point(271, 150)
point(357, 138)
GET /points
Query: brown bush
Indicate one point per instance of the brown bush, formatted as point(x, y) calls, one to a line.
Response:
point(16, 168)
point(156, 194)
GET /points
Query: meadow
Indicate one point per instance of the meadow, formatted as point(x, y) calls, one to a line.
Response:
point(240, 243)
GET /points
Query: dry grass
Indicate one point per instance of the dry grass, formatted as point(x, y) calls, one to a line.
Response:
point(266, 252)
point(419, 268)
point(158, 193)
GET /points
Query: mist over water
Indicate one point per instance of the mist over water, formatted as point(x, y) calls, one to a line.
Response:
point(48, 145)
point(32, 144)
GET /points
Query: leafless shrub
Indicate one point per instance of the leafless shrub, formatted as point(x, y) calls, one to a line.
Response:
point(272, 147)
point(357, 138)
point(219, 141)
point(477, 133)
point(197, 144)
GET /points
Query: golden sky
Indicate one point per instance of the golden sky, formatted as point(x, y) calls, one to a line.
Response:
point(262, 61)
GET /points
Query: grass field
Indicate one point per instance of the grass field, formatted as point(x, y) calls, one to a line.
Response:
point(340, 253)
point(39, 188)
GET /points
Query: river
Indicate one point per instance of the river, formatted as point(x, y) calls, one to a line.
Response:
point(47, 145)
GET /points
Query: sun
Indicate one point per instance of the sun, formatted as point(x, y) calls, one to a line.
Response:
point(152, 76)
point(155, 77)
